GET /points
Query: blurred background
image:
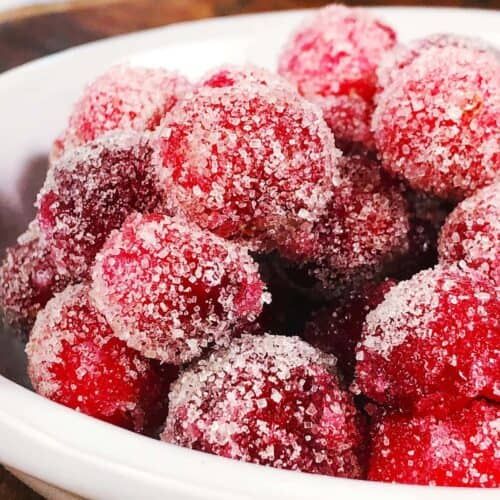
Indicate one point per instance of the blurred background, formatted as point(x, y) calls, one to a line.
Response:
point(33, 28)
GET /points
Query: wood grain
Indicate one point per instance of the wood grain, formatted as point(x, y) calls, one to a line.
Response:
point(25, 38)
point(12, 489)
point(33, 32)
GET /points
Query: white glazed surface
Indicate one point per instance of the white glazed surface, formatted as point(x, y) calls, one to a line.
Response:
point(13, 4)
point(81, 454)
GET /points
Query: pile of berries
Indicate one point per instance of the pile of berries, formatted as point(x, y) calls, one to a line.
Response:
point(182, 225)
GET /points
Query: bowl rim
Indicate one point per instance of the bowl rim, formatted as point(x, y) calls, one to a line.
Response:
point(169, 466)
point(102, 454)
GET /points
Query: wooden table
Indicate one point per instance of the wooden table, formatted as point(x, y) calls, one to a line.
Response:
point(32, 32)
point(12, 489)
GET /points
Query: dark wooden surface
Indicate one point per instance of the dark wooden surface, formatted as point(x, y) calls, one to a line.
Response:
point(27, 37)
point(12, 489)
point(30, 33)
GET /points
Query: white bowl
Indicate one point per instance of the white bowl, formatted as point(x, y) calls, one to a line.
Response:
point(83, 455)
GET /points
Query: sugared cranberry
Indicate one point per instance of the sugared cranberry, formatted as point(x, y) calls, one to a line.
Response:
point(436, 125)
point(366, 227)
point(74, 359)
point(403, 55)
point(124, 98)
point(246, 157)
point(471, 233)
point(434, 338)
point(332, 59)
point(459, 449)
point(88, 192)
point(28, 279)
point(170, 289)
point(269, 400)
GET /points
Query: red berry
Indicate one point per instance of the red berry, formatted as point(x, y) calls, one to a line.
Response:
point(404, 55)
point(472, 233)
point(336, 329)
point(437, 124)
point(28, 279)
point(74, 359)
point(123, 98)
point(270, 400)
point(246, 157)
point(170, 290)
point(332, 59)
point(460, 449)
point(231, 76)
point(88, 192)
point(434, 337)
point(364, 229)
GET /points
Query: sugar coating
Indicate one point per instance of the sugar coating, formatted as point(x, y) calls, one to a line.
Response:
point(231, 75)
point(28, 279)
point(403, 55)
point(332, 59)
point(89, 191)
point(365, 228)
point(74, 359)
point(170, 289)
point(336, 328)
point(472, 233)
point(435, 334)
point(246, 157)
point(461, 449)
point(437, 124)
point(270, 400)
point(123, 98)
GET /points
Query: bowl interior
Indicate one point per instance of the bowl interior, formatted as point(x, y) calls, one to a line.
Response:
point(36, 98)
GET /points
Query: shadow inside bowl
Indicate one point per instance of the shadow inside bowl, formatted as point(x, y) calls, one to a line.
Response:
point(14, 220)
